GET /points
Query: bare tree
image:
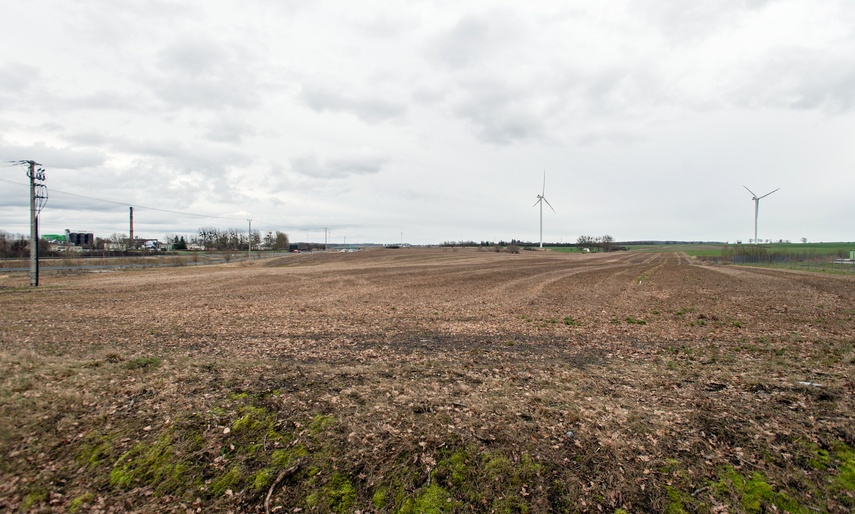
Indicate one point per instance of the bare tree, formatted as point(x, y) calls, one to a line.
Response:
point(121, 240)
point(608, 243)
point(585, 241)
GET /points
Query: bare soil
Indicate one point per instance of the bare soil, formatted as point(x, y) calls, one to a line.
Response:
point(429, 380)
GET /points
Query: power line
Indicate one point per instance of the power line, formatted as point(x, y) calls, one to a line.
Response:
point(125, 204)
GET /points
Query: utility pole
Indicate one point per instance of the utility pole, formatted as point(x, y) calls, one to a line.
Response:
point(38, 198)
point(325, 239)
point(249, 239)
point(34, 238)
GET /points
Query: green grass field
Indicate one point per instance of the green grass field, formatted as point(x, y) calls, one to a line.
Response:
point(817, 250)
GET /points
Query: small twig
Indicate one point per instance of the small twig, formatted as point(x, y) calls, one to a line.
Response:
point(699, 491)
point(430, 472)
point(282, 474)
point(749, 463)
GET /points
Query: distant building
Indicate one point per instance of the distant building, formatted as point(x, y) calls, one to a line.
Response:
point(148, 244)
point(54, 238)
point(79, 238)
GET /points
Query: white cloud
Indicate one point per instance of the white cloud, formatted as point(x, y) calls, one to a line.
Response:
point(361, 162)
point(344, 97)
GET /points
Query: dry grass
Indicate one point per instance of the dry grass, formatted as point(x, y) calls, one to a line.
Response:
point(429, 381)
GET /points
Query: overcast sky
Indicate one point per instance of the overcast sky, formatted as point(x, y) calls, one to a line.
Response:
point(432, 121)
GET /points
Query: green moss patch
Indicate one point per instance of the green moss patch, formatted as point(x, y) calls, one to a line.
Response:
point(151, 464)
point(78, 503)
point(432, 500)
point(755, 494)
point(463, 476)
point(36, 496)
point(337, 495)
point(143, 363)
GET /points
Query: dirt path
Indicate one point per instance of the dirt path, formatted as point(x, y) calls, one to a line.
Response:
point(430, 380)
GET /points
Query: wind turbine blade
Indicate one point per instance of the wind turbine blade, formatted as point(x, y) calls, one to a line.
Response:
point(537, 202)
point(547, 203)
point(544, 184)
point(767, 194)
point(750, 191)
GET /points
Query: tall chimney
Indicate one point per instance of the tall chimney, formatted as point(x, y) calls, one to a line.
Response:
point(132, 228)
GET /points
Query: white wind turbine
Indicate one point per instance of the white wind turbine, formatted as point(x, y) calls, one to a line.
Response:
point(540, 199)
point(757, 207)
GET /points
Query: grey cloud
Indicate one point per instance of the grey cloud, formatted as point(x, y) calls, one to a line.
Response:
point(186, 157)
point(50, 126)
point(501, 114)
point(203, 72)
point(505, 114)
point(106, 100)
point(193, 55)
point(609, 136)
point(53, 157)
point(801, 79)
point(473, 40)
point(63, 201)
point(693, 21)
point(88, 138)
point(16, 77)
point(429, 95)
point(382, 25)
point(227, 130)
point(210, 94)
point(277, 179)
point(363, 163)
point(372, 109)
point(112, 23)
point(97, 101)
point(502, 127)
point(20, 201)
point(619, 91)
point(463, 44)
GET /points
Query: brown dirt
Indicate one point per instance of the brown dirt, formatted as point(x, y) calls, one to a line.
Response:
point(430, 380)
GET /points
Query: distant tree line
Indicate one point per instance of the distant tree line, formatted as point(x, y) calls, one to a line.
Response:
point(213, 238)
point(484, 244)
point(16, 246)
point(605, 243)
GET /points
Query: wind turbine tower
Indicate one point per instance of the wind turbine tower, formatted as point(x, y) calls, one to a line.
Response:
point(757, 207)
point(541, 198)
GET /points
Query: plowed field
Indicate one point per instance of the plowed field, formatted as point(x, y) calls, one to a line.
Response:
point(429, 380)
